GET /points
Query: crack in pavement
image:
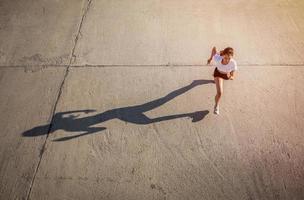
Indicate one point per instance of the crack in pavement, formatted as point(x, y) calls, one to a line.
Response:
point(79, 31)
point(58, 96)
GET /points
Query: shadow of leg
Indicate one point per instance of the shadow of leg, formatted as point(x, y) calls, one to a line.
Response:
point(89, 131)
point(199, 115)
point(196, 116)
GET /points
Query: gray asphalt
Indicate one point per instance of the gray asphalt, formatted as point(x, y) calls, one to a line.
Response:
point(114, 100)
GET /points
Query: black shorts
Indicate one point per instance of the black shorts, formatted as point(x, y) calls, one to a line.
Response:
point(216, 73)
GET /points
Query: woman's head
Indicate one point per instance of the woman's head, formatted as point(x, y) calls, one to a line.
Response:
point(227, 53)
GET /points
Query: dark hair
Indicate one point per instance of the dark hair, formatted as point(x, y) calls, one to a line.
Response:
point(228, 51)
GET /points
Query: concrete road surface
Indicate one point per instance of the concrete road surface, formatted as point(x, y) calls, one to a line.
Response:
point(112, 100)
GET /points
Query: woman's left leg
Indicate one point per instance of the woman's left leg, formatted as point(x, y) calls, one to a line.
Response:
point(219, 89)
point(219, 92)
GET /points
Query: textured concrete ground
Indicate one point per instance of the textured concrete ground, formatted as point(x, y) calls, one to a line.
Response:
point(113, 100)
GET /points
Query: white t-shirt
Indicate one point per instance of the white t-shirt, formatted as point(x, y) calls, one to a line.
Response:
point(231, 66)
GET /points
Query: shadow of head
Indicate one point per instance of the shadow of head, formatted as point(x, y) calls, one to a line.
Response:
point(37, 131)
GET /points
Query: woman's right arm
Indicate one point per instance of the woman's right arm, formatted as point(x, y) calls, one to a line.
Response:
point(213, 52)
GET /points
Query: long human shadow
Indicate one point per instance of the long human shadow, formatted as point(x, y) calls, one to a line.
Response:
point(67, 121)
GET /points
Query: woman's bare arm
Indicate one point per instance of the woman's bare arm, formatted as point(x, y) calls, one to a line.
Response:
point(213, 52)
point(232, 75)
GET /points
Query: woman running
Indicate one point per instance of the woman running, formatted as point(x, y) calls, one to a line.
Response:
point(225, 67)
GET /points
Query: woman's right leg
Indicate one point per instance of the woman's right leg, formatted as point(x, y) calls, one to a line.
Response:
point(219, 89)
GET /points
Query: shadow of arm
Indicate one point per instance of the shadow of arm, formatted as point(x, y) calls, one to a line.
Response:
point(75, 111)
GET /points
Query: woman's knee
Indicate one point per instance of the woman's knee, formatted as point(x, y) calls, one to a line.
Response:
point(219, 93)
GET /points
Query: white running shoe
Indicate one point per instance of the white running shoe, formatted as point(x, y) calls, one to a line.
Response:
point(217, 110)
